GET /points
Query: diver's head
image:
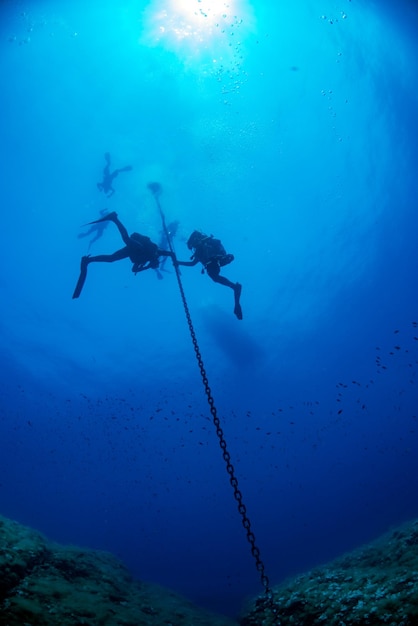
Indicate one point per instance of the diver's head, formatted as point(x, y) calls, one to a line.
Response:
point(195, 238)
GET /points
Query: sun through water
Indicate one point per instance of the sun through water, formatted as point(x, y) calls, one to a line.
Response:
point(200, 30)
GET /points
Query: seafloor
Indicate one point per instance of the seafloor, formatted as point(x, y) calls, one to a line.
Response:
point(44, 584)
point(376, 585)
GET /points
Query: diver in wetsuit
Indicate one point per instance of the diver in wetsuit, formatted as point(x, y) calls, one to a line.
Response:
point(143, 253)
point(212, 255)
point(166, 241)
point(108, 176)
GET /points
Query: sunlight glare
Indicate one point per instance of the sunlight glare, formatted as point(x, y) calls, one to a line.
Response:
point(198, 19)
point(197, 26)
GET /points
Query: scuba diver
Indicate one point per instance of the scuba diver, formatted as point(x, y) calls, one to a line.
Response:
point(143, 253)
point(166, 241)
point(211, 253)
point(108, 176)
point(97, 229)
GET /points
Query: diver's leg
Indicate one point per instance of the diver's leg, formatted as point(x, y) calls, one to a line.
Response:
point(91, 230)
point(106, 170)
point(99, 233)
point(101, 258)
point(213, 270)
point(123, 232)
point(109, 258)
point(223, 281)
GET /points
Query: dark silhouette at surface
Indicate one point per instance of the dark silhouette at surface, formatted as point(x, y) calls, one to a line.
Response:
point(212, 255)
point(96, 229)
point(143, 253)
point(108, 176)
point(166, 240)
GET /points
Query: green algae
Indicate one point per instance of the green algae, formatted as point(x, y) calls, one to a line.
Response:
point(45, 584)
point(376, 585)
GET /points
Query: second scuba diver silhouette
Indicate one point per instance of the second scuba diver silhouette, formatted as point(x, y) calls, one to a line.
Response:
point(166, 241)
point(96, 228)
point(143, 253)
point(108, 176)
point(211, 253)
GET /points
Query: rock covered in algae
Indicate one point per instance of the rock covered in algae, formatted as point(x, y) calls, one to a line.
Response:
point(376, 585)
point(44, 584)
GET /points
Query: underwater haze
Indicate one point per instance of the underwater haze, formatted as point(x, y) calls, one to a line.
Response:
point(289, 131)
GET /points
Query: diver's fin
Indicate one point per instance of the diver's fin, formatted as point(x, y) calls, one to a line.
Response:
point(127, 168)
point(237, 293)
point(82, 278)
point(108, 216)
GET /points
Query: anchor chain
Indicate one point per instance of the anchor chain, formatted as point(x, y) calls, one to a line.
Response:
point(242, 509)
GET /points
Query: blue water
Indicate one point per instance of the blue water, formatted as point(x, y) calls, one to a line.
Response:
point(288, 130)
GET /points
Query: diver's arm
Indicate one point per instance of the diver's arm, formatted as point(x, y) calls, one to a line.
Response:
point(166, 253)
point(188, 263)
